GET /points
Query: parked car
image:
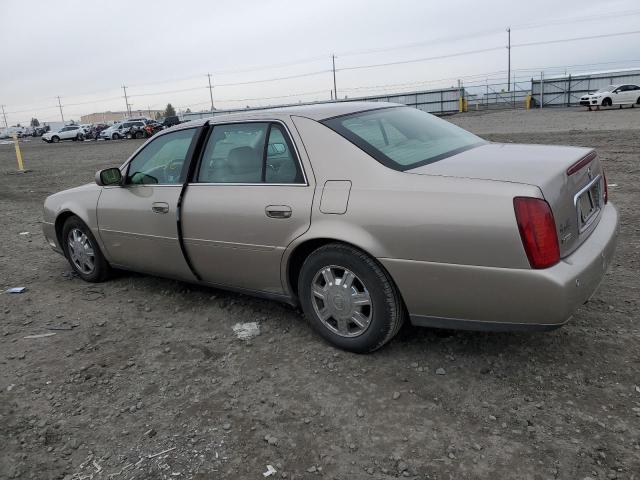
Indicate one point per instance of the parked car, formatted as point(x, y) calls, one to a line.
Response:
point(120, 130)
point(169, 121)
point(69, 132)
point(133, 129)
point(153, 127)
point(112, 133)
point(612, 95)
point(365, 214)
point(39, 131)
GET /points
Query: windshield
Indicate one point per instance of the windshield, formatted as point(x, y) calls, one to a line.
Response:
point(403, 137)
point(610, 88)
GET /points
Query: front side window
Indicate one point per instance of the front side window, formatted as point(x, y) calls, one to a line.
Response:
point(403, 137)
point(237, 153)
point(162, 160)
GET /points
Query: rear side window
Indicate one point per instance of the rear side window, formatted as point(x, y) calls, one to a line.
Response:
point(403, 137)
point(255, 152)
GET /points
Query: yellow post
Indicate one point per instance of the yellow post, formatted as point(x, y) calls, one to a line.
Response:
point(460, 104)
point(18, 153)
point(527, 102)
point(465, 104)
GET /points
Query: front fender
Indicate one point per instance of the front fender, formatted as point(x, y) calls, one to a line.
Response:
point(81, 202)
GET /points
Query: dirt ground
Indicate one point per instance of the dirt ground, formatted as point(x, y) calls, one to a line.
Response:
point(145, 378)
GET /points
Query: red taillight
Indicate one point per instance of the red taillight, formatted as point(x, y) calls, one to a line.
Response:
point(606, 187)
point(538, 231)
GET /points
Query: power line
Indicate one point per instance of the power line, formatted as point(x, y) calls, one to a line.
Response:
point(423, 59)
point(584, 18)
point(574, 39)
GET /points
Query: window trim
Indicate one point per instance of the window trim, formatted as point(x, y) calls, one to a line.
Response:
point(288, 138)
point(125, 167)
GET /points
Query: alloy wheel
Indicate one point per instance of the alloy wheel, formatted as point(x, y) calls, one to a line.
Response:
point(341, 301)
point(81, 251)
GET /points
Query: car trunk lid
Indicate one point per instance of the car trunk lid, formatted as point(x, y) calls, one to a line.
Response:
point(571, 180)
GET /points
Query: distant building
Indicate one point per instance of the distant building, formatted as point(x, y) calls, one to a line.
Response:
point(110, 117)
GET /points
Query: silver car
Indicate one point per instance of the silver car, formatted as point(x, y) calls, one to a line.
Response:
point(365, 214)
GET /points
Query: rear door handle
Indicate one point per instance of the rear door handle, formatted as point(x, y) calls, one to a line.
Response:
point(160, 207)
point(278, 211)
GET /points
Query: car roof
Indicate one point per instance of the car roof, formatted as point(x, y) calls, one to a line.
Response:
point(315, 111)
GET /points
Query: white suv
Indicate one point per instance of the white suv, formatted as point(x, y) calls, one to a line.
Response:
point(70, 132)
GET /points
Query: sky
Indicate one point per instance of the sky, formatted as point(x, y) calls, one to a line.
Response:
point(162, 50)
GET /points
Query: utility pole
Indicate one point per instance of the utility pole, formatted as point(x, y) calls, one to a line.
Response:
point(508, 59)
point(5, 117)
point(335, 89)
point(210, 91)
point(126, 100)
point(60, 106)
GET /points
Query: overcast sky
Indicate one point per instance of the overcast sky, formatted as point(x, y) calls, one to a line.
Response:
point(84, 51)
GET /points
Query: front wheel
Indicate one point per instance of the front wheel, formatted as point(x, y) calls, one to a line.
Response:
point(115, 136)
point(349, 299)
point(82, 251)
point(607, 102)
point(55, 139)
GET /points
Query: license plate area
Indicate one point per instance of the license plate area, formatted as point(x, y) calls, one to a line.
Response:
point(588, 203)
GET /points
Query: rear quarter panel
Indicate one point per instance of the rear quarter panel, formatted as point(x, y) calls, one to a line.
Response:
point(407, 216)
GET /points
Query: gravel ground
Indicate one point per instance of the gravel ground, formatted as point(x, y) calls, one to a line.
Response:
point(145, 377)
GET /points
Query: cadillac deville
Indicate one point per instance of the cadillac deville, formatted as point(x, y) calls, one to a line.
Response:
point(364, 214)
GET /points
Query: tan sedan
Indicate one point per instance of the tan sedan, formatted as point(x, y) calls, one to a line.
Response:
point(365, 214)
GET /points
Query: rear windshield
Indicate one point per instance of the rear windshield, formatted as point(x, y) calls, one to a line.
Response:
point(403, 138)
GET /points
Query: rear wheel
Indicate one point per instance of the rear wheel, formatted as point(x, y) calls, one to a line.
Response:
point(139, 134)
point(349, 299)
point(82, 251)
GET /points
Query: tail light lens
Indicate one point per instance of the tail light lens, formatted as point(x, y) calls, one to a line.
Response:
point(538, 231)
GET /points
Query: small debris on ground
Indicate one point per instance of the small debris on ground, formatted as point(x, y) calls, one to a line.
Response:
point(270, 471)
point(16, 290)
point(245, 331)
point(40, 335)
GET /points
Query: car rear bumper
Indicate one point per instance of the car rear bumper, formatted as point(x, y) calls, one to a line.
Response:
point(498, 299)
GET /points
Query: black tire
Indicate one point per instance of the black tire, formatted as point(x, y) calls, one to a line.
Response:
point(139, 134)
point(55, 139)
point(388, 311)
point(607, 102)
point(115, 136)
point(101, 268)
point(638, 101)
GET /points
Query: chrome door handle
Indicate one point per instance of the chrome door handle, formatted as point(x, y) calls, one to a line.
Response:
point(278, 211)
point(160, 207)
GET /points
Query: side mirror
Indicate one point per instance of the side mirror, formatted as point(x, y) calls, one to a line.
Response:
point(109, 176)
